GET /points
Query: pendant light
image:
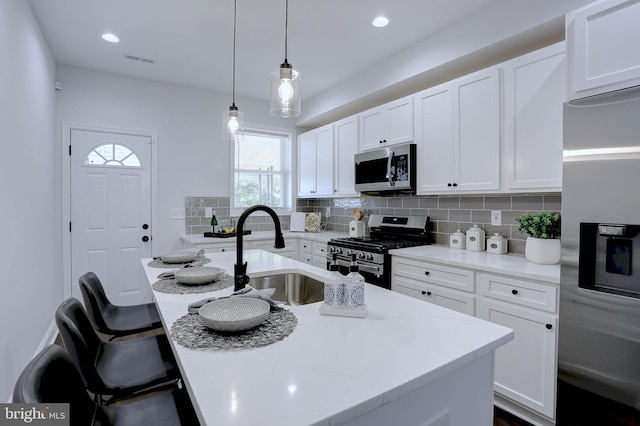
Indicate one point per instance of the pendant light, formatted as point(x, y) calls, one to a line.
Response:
point(285, 83)
point(233, 120)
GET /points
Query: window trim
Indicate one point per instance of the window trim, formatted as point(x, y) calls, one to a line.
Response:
point(286, 172)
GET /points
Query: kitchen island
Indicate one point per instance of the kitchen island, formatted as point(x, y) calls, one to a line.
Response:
point(406, 362)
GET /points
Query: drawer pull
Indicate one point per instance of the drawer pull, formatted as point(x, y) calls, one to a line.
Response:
point(427, 272)
point(222, 250)
point(424, 292)
point(514, 291)
point(549, 326)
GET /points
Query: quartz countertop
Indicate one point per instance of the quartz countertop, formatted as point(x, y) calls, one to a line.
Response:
point(322, 236)
point(510, 263)
point(331, 369)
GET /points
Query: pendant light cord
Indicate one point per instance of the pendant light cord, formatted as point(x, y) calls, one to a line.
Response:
point(286, 28)
point(233, 85)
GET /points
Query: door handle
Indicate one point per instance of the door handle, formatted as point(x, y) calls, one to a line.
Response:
point(145, 238)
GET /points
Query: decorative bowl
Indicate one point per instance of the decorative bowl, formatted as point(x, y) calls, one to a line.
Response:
point(178, 257)
point(197, 275)
point(234, 314)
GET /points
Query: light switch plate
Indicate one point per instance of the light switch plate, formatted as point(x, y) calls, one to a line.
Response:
point(496, 217)
point(176, 214)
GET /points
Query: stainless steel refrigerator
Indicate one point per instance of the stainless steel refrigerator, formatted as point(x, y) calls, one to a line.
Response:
point(599, 332)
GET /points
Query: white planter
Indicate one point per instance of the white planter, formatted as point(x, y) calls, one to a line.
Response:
point(542, 251)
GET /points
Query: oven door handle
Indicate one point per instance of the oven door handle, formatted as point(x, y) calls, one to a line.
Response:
point(389, 175)
point(363, 267)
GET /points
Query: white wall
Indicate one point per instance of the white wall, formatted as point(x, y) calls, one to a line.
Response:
point(193, 160)
point(30, 192)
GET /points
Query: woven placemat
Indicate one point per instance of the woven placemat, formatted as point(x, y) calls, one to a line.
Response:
point(157, 263)
point(189, 331)
point(171, 285)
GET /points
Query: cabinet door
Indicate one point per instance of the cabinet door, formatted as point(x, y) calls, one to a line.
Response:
point(525, 368)
point(434, 136)
point(324, 161)
point(372, 128)
point(399, 121)
point(345, 145)
point(534, 92)
point(476, 132)
point(603, 39)
point(306, 164)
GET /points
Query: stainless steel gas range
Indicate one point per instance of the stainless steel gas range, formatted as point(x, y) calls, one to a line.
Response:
point(385, 233)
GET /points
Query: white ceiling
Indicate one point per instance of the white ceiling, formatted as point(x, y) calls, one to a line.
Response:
point(191, 41)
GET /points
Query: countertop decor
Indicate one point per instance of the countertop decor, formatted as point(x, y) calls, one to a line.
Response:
point(172, 286)
point(189, 331)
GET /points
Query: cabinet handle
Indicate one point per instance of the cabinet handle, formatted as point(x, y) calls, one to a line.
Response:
point(428, 293)
point(449, 184)
point(427, 272)
point(222, 250)
point(424, 292)
point(549, 326)
point(514, 291)
point(455, 184)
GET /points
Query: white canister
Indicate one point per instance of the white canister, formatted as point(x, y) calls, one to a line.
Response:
point(497, 244)
point(356, 229)
point(457, 240)
point(475, 238)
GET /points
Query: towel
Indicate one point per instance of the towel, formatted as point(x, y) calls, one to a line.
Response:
point(247, 291)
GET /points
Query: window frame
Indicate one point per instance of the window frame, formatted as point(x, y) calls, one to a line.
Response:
point(286, 172)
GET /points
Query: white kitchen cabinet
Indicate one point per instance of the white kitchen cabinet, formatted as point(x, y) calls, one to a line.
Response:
point(305, 251)
point(220, 247)
point(315, 162)
point(526, 367)
point(388, 124)
point(345, 147)
point(458, 135)
point(290, 249)
point(320, 254)
point(451, 288)
point(533, 96)
point(602, 43)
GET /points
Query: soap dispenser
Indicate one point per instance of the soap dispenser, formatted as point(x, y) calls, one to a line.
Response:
point(475, 238)
point(332, 283)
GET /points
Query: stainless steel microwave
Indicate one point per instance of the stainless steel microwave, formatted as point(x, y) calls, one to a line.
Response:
point(386, 169)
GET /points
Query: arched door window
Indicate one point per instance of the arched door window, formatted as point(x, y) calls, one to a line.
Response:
point(112, 154)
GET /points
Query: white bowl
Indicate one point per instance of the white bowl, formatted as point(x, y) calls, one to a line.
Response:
point(234, 313)
point(178, 257)
point(197, 275)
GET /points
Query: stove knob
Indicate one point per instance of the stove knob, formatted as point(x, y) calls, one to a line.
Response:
point(369, 256)
point(349, 252)
point(360, 255)
point(339, 250)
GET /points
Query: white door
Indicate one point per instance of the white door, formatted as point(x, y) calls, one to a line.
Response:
point(110, 202)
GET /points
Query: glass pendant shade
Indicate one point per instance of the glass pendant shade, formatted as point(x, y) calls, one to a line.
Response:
point(233, 125)
point(285, 91)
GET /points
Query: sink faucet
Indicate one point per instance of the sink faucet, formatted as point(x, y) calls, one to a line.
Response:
point(240, 268)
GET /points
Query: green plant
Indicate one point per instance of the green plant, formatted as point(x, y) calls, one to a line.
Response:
point(544, 225)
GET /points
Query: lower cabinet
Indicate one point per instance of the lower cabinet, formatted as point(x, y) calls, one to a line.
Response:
point(526, 367)
point(290, 249)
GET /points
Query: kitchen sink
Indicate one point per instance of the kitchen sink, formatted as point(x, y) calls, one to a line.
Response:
point(291, 288)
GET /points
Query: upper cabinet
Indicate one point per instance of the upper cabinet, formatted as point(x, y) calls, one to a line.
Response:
point(603, 39)
point(534, 92)
point(315, 162)
point(388, 124)
point(458, 135)
point(345, 145)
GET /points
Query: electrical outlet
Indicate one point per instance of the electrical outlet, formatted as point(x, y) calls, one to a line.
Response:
point(208, 211)
point(496, 217)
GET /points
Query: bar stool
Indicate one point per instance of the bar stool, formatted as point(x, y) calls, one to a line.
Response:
point(119, 369)
point(51, 377)
point(113, 320)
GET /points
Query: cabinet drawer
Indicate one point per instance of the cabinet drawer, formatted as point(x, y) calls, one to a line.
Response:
point(220, 248)
point(525, 293)
point(456, 278)
point(441, 296)
point(319, 249)
point(306, 246)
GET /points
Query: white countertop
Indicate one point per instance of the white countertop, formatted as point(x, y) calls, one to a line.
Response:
point(330, 369)
point(510, 263)
point(324, 236)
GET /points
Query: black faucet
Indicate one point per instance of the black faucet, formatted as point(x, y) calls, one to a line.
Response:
point(240, 268)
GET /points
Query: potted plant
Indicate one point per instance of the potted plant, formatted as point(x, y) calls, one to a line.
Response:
point(543, 243)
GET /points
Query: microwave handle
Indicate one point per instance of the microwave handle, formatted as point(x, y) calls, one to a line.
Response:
point(389, 176)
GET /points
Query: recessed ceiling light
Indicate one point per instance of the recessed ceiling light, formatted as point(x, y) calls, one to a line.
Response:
point(111, 38)
point(380, 21)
